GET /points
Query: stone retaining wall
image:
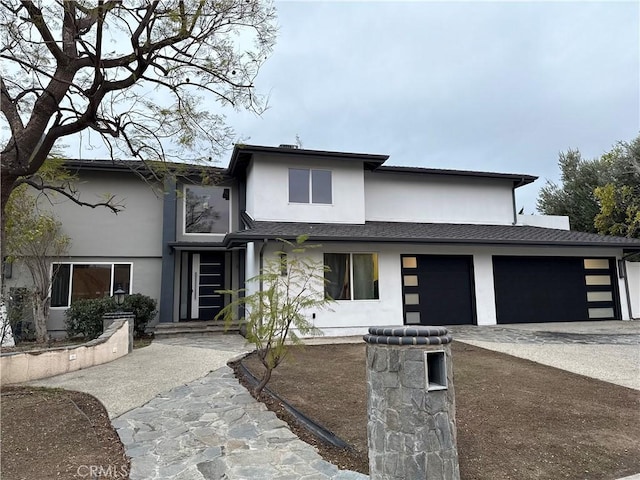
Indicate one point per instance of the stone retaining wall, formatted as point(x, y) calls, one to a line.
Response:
point(18, 367)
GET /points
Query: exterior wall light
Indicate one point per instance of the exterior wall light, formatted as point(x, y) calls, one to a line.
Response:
point(118, 296)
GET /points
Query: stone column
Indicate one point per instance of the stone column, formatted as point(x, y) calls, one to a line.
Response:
point(109, 318)
point(411, 404)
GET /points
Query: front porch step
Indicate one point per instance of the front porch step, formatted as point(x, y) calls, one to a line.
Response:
point(194, 328)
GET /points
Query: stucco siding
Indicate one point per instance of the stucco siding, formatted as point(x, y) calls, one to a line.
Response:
point(135, 231)
point(268, 192)
point(633, 274)
point(560, 222)
point(412, 198)
point(353, 317)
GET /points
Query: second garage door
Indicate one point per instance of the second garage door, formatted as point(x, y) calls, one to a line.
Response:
point(554, 289)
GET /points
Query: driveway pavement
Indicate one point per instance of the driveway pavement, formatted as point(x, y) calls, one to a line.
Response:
point(606, 350)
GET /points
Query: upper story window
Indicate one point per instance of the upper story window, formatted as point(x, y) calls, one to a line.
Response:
point(206, 209)
point(309, 186)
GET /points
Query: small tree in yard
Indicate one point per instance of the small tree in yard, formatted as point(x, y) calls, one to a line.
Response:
point(34, 238)
point(290, 285)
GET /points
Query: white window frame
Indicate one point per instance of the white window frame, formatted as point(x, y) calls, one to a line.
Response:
point(111, 286)
point(311, 170)
point(184, 212)
point(351, 282)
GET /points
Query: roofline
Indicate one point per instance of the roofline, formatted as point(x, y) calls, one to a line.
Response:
point(238, 238)
point(373, 161)
point(138, 166)
point(242, 151)
point(519, 179)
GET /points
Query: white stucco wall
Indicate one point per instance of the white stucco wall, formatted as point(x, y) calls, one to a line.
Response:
point(633, 274)
point(354, 317)
point(268, 191)
point(436, 198)
point(560, 222)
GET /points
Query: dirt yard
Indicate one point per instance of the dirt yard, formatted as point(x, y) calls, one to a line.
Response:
point(516, 419)
point(51, 433)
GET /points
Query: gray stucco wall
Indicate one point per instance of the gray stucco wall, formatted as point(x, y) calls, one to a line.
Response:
point(98, 235)
point(136, 231)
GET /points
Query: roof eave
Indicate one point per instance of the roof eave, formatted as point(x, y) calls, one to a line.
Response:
point(242, 153)
point(234, 239)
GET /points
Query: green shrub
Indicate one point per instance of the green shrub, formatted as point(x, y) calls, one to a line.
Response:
point(143, 307)
point(84, 317)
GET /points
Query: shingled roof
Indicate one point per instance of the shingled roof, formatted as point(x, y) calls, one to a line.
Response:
point(430, 233)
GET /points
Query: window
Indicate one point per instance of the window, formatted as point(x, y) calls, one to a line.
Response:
point(309, 186)
point(351, 276)
point(206, 209)
point(79, 281)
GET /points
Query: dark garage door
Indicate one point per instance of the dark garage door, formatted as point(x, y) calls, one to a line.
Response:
point(438, 290)
point(554, 289)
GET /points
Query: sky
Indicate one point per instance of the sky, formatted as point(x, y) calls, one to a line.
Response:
point(498, 86)
point(501, 86)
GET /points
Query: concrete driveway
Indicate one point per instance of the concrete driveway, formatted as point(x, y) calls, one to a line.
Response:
point(606, 350)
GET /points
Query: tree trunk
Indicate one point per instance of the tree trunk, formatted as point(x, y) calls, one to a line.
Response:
point(263, 382)
point(6, 186)
point(40, 314)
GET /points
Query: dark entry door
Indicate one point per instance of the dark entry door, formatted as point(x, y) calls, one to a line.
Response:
point(554, 289)
point(438, 290)
point(203, 276)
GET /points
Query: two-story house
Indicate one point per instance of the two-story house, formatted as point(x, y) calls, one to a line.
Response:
point(405, 246)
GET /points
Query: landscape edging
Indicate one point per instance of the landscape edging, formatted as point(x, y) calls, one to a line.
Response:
point(316, 429)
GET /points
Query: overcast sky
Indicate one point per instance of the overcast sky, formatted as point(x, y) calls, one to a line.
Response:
point(496, 86)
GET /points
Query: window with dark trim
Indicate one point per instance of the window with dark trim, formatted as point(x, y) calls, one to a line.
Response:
point(310, 186)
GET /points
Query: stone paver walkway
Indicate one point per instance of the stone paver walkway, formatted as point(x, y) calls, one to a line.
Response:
point(212, 428)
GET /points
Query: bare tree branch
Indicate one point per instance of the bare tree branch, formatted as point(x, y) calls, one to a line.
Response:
point(72, 195)
point(108, 65)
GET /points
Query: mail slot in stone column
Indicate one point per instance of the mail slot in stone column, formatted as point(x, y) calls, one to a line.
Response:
point(411, 404)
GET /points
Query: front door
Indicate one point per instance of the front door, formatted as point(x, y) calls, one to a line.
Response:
point(202, 277)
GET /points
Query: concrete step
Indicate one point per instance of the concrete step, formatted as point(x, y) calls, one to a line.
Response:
point(194, 328)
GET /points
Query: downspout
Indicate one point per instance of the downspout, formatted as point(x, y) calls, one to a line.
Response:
point(513, 199)
point(623, 267)
point(261, 261)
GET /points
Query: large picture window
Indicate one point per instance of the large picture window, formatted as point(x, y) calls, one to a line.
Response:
point(351, 276)
point(206, 209)
point(310, 186)
point(80, 281)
